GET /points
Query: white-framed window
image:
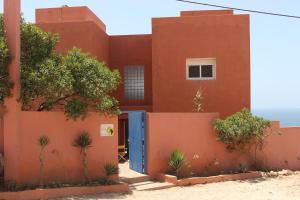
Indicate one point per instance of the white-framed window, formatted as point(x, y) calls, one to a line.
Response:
point(134, 82)
point(201, 69)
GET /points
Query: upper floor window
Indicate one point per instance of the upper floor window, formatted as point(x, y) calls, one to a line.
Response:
point(134, 82)
point(201, 68)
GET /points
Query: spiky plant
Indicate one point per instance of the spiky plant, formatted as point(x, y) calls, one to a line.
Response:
point(43, 141)
point(176, 162)
point(84, 141)
point(198, 101)
point(110, 169)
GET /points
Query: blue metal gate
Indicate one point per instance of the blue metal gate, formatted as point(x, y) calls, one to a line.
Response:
point(137, 141)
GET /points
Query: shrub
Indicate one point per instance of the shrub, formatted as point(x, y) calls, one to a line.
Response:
point(176, 162)
point(110, 169)
point(43, 141)
point(243, 168)
point(84, 141)
point(241, 130)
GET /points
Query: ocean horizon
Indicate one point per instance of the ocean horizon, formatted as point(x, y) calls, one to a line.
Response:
point(286, 117)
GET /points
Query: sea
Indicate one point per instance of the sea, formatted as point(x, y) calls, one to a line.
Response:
point(287, 117)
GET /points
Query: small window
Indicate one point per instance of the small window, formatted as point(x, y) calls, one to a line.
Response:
point(194, 71)
point(134, 82)
point(207, 71)
point(201, 69)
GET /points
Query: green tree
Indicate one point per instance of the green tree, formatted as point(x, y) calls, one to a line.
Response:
point(75, 81)
point(5, 82)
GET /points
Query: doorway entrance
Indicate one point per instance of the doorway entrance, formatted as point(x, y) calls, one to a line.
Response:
point(132, 140)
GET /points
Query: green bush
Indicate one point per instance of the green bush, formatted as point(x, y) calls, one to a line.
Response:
point(110, 169)
point(176, 162)
point(241, 130)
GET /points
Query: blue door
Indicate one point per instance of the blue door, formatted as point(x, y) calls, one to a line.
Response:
point(137, 141)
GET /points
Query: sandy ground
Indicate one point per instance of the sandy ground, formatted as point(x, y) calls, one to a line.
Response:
point(278, 188)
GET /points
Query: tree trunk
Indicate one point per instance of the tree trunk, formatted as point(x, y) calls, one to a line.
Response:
point(84, 162)
point(42, 164)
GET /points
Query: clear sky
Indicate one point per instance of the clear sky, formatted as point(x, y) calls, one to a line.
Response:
point(275, 41)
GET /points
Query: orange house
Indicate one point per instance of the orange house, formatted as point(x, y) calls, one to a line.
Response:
point(162, 71)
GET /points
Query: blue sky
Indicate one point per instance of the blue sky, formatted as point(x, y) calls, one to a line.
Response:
point(275, 41)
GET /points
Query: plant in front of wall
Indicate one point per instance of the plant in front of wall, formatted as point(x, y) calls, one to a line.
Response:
point(43, 141)
point(242, 168)
point(84, 142)
point(176, 162)
point(242, 131)
point(198, 101)
point(109, 170)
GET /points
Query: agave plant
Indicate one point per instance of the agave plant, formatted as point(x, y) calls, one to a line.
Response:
point(43, 141)
point(84, 141)
point(176, 162)
point(110, 169)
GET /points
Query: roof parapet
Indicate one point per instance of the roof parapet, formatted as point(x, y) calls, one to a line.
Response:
point(205, 13)
point(67, 14)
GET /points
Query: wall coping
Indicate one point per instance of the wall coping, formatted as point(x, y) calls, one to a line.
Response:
point(63, 192)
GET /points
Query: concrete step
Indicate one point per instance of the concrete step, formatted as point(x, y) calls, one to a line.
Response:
point(138, 179)
point(150, 186)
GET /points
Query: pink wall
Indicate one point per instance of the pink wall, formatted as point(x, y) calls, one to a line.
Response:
point(282, 151)
point(194, 135)
point(62, 160)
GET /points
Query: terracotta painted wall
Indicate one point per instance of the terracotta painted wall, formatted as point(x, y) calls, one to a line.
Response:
point(76, 27)
point(224, 37)
point(282, 151)
point(68, 14)
point(194, 135)
point(62, 159)
point(132, 50)
point(11, 123)
point(195, 34)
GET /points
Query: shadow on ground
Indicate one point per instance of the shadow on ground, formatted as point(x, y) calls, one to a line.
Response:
point(97, 196)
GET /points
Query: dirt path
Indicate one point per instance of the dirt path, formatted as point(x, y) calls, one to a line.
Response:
point(279, 188)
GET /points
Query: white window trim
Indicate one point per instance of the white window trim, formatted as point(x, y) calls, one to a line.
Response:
point(200, 62)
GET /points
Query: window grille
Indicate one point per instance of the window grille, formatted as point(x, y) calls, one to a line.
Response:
point(134, 83)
